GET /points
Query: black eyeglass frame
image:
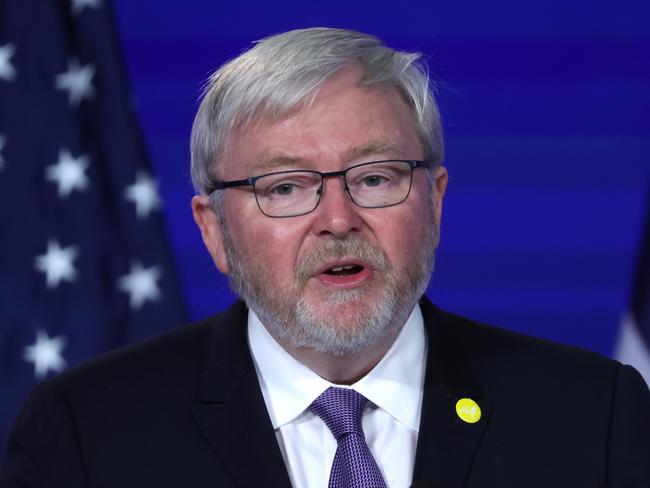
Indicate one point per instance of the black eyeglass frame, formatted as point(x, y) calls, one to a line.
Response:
point(413, 164)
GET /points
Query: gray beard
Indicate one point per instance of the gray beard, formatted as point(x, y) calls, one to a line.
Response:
point(289, 318)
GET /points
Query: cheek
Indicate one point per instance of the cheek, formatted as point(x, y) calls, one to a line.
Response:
point(394, 231)
point(283, 242)
point(402, 230)
point(274, 244)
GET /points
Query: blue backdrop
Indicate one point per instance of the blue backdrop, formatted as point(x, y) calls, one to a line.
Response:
point(547, 116)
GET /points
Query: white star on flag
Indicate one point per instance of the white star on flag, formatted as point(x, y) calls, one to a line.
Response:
point(57, 264)
point(46, 355)
point(3, 141)
point(7, 70)
point(68, 173)
point(79, 5)
point(144, 193)
point(77, 81)
point(141, 284)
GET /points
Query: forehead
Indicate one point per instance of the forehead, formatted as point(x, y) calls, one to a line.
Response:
point(345, 123)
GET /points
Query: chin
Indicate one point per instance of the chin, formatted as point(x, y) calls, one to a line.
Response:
point(347, 322)
point(344, 306)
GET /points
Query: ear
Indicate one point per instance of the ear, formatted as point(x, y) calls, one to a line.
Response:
point(211, 230)
point(440, 179)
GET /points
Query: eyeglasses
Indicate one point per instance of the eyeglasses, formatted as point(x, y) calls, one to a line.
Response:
point(297, 192)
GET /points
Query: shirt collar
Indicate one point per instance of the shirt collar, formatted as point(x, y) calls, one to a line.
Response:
point(395, 384)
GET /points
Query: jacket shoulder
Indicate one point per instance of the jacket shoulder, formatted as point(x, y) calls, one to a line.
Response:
point(499, 353)
point(170, 361)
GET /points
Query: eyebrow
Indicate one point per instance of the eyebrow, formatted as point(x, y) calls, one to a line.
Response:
point(379, 148)
point(269, 163)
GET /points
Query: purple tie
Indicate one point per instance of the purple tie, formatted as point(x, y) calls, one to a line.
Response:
point(354, 467)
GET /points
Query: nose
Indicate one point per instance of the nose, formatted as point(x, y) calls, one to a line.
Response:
point(336, 214)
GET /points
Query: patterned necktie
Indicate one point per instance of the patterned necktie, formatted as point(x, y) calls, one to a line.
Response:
point(354, 467)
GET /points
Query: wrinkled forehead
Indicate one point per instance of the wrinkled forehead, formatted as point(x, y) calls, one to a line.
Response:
point(280, 125)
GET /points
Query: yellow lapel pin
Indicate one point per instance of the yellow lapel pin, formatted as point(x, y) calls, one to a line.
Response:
point(468, 410)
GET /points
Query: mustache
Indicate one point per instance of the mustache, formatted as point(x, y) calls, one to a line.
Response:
point(338, 249)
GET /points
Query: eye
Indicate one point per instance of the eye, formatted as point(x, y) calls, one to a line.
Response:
point(373, 180)
point(286, 185)
point(283, 189)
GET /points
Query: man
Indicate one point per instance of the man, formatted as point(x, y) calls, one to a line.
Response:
point(317, 156)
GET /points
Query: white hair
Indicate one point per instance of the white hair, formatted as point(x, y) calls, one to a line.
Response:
point(284, 71)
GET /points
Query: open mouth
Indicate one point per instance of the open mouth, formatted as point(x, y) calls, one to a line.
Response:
point(344, 274)
point(345, 270)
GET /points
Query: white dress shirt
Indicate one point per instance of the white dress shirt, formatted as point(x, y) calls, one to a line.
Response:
point(391, 418)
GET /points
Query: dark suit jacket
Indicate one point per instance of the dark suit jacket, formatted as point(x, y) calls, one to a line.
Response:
point(186, 410)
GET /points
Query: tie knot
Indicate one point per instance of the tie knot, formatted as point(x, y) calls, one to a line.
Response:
point(341, 409)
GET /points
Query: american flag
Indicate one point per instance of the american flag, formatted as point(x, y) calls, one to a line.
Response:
point(634, 339)
point(85, 265)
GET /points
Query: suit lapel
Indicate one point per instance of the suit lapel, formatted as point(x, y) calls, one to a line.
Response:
point(446, 444)
point(231, 413)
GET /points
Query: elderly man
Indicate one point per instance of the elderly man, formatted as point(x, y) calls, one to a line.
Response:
point(317, 156)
